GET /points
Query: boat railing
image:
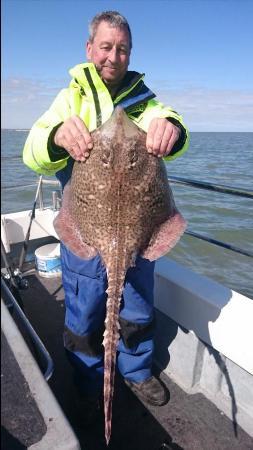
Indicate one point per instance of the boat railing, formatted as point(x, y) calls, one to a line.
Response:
point(213, 187)
point(219, 188)
point(56, 194)
point(38, 346)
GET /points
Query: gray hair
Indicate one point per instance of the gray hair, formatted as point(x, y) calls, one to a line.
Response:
point(114, 19)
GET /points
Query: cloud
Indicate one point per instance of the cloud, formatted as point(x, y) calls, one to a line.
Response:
point(206, 109)
point(203, 109)
point(25, 100)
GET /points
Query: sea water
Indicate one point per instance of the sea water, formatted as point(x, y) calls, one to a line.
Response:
point(223, 158)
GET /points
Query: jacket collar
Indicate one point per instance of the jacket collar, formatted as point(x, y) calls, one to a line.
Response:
point(132, 83)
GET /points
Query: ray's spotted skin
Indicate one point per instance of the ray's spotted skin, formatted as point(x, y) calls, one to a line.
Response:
point(119, 204)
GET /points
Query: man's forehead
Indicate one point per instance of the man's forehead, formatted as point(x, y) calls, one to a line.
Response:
point(105, 32)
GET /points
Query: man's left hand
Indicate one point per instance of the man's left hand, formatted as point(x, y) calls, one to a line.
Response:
point(161, 137)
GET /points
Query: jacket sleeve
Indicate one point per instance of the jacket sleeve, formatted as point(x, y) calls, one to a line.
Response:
point(157, 109)
point(36, 153)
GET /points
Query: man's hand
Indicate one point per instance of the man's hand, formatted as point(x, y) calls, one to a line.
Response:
point(161, 137)
point(74, 137)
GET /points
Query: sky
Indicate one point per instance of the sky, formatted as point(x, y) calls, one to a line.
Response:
point(196, 56)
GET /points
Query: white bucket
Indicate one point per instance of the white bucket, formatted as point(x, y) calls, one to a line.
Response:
point(47, 260)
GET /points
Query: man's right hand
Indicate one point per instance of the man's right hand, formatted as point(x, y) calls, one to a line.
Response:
point(74, 137)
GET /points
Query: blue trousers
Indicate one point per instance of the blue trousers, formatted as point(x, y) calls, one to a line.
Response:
point(85, 284)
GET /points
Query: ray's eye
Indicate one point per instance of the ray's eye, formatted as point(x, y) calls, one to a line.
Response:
point(133, 158)
point(105, 158)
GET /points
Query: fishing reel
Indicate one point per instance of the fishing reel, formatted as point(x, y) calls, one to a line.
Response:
point(15, 279)
point(22, 283)
point(15, 283)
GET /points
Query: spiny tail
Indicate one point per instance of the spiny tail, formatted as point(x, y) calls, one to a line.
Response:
point(111, 337)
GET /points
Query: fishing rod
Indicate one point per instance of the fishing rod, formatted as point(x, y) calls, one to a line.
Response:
point(7, 265)
point(25, 244)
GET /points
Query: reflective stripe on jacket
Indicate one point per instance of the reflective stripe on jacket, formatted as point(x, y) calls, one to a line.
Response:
point(88, 97)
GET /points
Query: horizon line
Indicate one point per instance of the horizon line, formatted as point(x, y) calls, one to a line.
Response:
point(190, 131)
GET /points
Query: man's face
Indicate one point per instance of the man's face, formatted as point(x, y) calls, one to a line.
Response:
point(110, 52)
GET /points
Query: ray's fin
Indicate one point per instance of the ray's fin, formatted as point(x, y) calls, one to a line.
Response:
point(67, 230)
point(165, 237)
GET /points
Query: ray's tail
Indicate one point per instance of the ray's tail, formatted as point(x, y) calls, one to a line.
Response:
point(111, 337)
point(116, 277)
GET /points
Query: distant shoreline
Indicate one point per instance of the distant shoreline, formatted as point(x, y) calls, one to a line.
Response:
point(28, 129)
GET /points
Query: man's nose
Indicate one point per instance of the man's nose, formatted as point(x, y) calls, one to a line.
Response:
point(113, 55)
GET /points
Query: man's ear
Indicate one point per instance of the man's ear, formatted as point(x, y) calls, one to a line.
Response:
point(88, 50)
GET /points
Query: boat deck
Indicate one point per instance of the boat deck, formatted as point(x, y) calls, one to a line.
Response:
point(187, 422)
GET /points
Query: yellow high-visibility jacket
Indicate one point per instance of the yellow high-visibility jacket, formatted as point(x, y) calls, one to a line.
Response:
point(88, 97)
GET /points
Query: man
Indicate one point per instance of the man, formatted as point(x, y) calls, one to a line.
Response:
point(61, 136)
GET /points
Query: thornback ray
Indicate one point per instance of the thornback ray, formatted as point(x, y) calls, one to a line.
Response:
point(119, 204)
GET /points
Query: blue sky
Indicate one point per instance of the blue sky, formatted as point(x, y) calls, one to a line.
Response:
point(196, 54)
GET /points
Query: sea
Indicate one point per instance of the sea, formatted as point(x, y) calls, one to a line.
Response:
point(223, 158)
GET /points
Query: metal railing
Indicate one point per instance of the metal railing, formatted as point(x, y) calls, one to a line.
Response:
point(220, 188)
point(56, 195)
point(213, 187)
point(38, 344)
